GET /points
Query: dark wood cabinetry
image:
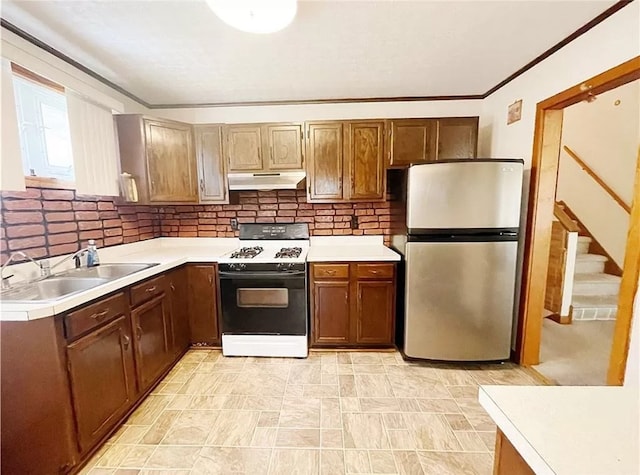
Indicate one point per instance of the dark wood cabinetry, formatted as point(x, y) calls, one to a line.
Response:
point(102, 379)
point(457, 138)
point(364, 159)
point(160, 156)
point(325, 157)
point(178, 288)
point(203, 308)
point(353, 304)
point(263, 147)
point(412, 141)
point(211, 164)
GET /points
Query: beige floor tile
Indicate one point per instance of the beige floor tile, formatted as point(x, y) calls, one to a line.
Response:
point(373, 385)
point(298, 438)
point(160, 427)
point(368, 368)
point(439, 405)
point(366, 358)
point(126, 471)
point(310, 374)
point(261, 403)
point(382, 461)
point(331, 438)
point(305, 417)
point(101, 471)
point(113, 456)
point(470, 441)
point(149, 410)
point(330, 414)
point(224, 460)
point(455, 463)
point(463, 391)
point(137, 456)
point(357, 461)
point(431, 432)
point(269, 419)
point(388, 404)
point(332, 462)
point(200, 384)
point(350, 404)
point(364, 431)
point(233, 428)
point(345, 369)
point(169, 457)
point(416, 386)
point(456, 377)
point(329, 378)
point(458, 422)
point(294, 390)
point(294, 461)
point(320, 390)
point(489, 440)
point(264, 437)
point(408, 462)
point(343, 358)
point(481, 422)
point(168, 388)
point(148, 471)
point(180, 402)
point(402, 439)
point(132, 434)
point(191, 428)
point(347, 385)
point(394, 421)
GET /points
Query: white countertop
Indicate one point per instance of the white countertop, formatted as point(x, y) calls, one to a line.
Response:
point(349, 248)
point(569, 429)
point(173, 252)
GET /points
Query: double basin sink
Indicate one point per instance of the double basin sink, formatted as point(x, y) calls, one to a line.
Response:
point(66, 283)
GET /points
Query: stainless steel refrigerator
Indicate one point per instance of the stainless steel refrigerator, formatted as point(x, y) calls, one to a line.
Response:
point(460, 253)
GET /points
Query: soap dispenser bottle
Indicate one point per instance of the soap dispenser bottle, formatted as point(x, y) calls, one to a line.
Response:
point(92, 254)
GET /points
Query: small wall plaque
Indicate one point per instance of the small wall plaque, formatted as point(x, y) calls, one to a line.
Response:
point(515, 112)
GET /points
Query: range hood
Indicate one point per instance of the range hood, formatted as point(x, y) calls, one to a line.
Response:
point(266, 181)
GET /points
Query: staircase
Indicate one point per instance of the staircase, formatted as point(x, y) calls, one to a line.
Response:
point(595, 293)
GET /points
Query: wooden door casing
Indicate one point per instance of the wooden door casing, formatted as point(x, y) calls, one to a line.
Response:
point(374, 304)
point(203, 304)
point(364, 160)
point(244, 148)
point(171, 167)
point(331, 307)
point(211, 164)
point(457, 138)
point(284, 145)
point(412, 141)
point(151, 327)
point(102, 379)
point(325, 157)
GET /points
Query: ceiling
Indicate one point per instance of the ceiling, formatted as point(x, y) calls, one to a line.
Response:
point(179, 52)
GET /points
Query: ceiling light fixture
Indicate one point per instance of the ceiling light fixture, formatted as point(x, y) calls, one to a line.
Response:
point(255, 16)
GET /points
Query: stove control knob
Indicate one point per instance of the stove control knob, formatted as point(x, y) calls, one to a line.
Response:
point(285, 266)
point(232, 267)
point(242, 266)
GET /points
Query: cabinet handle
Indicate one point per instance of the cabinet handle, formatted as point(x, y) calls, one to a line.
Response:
point(173, 287)
point(100, 315)
point(331, 272)
point(210, 278)
point(201, 185)
point(373, 271)
point(138, 332)
point(151, 289)
point(125, 341)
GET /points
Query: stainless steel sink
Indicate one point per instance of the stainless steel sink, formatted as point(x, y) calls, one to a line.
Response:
point(105, 271)
point(53, 288)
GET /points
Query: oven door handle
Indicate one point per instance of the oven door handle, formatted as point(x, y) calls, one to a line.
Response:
point(253, 275)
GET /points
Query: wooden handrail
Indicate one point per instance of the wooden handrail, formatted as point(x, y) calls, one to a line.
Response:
point(567, 223)
point(597, 179)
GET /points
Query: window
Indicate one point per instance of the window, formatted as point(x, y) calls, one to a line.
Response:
point(44, 130)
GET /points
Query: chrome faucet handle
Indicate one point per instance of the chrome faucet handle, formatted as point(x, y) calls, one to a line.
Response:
point(45, 268)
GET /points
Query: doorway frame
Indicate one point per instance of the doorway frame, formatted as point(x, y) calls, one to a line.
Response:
point(542, 190)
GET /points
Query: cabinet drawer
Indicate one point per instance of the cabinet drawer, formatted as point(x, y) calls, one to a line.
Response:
point(79, 322)
point(142, 292)
point(331, 271)
point(374, 271)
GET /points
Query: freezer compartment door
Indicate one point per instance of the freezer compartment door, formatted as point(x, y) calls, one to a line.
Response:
point(464, 195)
point(459, 300)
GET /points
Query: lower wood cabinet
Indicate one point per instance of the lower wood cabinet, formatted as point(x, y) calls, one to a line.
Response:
point(178, 288)
point(203, 307)
point(102, 379)
point(151, 329)
point(353, 304)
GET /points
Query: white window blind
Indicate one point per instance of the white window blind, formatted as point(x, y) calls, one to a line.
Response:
point(11, 171)
point(94, 146)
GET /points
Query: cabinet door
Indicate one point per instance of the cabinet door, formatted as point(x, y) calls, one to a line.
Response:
point(171, 162)
point(413, 141)
point(374, 312)
point(178, 288)
point(102, 379)
point(365, 160)
point(211, 169)
point(325, 161)
point(244, 148)
point(203, 308)
point(152, 342)
point(284, 143)
point(330, 304)
point(457, 138)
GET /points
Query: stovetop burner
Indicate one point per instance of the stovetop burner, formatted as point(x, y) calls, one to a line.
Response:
point(289, 252)
point(247, 252)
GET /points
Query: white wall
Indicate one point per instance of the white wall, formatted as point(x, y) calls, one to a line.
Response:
point(293, 113)
point(605, 134)
point(607, 45)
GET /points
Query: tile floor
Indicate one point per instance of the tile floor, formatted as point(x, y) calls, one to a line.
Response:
point(332, 413)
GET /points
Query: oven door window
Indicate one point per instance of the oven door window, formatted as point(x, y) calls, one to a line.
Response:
point(262, 298)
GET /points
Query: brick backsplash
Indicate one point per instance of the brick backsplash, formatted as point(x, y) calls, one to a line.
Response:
point(47, 222)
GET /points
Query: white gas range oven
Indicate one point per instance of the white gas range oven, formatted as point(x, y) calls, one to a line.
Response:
point(263, 288)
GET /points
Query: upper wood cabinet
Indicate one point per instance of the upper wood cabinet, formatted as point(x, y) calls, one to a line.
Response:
point(325, 161)
point(263, 147)
point(364, 160)
point(211, 164)
point(160, 156)
point(412, 141)
point(457, 138)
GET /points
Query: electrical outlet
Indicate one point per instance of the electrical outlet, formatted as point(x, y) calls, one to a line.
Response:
point(354, 222)
point(234, 224)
